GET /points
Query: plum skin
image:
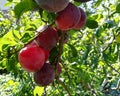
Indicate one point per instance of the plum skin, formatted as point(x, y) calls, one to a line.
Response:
point(67, 18)
point(48, 38)
point(82, 20)
point(31, 58)
point(45, 76)
point(53, 5)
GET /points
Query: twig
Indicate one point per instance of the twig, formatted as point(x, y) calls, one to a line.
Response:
point(38, 33)
point(62, 83)
point(113, 68)
point(34, 38)
point(61, 43)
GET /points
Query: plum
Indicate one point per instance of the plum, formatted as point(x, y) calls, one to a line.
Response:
point(52, 5)
point(44, 76)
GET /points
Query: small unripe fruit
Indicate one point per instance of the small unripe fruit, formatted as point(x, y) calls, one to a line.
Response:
point(67, 18)
point(45, 76)
point(52, 5)
point(31, 58)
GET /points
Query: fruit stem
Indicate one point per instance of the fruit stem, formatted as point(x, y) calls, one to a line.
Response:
point(61, 43)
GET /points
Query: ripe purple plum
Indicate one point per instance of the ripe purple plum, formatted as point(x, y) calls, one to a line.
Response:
point(82, 20)
point(53, 5)
point(67, 18)
point(45, 76)
point(48, 38)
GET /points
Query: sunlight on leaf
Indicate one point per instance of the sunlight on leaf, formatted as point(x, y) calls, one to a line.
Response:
point(38, 91)
point(7, 39)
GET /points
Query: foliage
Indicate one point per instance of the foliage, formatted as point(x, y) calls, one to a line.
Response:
point(87, 58)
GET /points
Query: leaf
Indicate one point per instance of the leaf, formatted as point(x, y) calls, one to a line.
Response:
point(118, 8)
point(38, 91)
point(7, 39)
point(92, 24)
point(10, 0)
point(12, 63)
point(25, 37)
point(8, 4)
point(77, 3)
point(85, 55)
point(117, 38)
point(53, 54)
point(24, 6)
point(98, 2)
point(73, 50)
point(16, 36)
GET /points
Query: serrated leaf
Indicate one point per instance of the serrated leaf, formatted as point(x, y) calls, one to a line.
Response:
point(91, 24)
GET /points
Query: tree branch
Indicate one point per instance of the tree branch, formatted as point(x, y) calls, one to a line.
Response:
point(65, 87)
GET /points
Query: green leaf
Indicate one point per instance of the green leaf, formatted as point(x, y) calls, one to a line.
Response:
point(24, 6)
point(97, 3)
point(109, 24)
point(10, 0)
point(85, 55)
point(12, 63)
point(16, 36)
point(92, 24)
point(118, 8)
point(77, 3)
point(53, 54)
point(38, 91)
point(4, 47)
point(25, 37)
point(7, 39)
point(73, 50)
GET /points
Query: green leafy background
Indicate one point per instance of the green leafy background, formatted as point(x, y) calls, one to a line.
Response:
point(91, 54)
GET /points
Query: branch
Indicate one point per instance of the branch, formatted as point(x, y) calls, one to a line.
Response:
point(61, 43)
point(65, 87)
point(60, 49)
point(113, 68)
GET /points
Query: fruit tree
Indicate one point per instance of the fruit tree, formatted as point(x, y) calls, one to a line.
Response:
point(59, 47)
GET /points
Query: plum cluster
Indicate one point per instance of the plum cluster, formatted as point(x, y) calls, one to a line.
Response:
point(34, 57)
point(69, 16)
